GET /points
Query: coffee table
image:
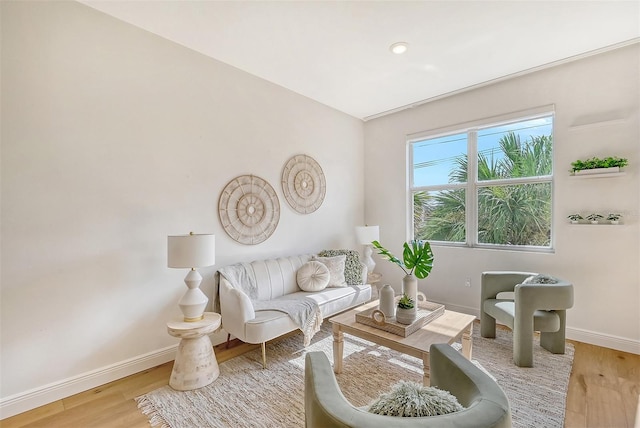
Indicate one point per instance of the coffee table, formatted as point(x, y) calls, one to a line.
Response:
point(447, 328)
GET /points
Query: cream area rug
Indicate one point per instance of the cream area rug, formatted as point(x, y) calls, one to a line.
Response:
point(245, 395)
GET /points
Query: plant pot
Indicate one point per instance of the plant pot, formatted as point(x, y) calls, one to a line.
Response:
point(574, 222)
point(598, 171)
point(410, 287)
point(615, 221)
point(594, 221)
point(406, 316)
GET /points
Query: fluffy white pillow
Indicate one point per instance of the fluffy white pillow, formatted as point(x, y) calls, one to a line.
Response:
point(410, 399)
point(312, 276)
point(336, 269)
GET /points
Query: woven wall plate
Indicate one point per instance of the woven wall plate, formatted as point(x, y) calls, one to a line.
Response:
point(249, 209)
point(303, 184)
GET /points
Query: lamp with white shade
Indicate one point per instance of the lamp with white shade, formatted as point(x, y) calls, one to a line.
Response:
point(365, 236)
point(190, 252)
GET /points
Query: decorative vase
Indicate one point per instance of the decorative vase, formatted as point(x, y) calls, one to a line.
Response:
point(594, 221)
point(406, 316)
point(410, 287)
point(614, 222)
point(387, 303)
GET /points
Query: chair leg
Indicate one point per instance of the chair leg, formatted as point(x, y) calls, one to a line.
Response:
point(554, 342)
point(264, 355)
point(487, 325)
point(523, 341)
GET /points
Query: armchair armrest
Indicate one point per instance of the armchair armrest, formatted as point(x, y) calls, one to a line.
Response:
point(497, 282)
point(530, 297)
point(236, 309)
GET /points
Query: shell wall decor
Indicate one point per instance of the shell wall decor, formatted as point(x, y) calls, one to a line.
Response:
point(249, 209)
point(303, 184)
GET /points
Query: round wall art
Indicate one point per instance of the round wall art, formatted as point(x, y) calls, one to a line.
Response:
point(249, 209)
point(303, 184)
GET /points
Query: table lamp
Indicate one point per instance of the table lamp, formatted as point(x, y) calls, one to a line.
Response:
point(192, 251)
point(365, 236)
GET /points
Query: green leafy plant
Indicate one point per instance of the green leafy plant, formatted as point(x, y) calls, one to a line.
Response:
point(594, 217)
point(594, 163)
point(614, 217)
point(417, 257)
point(406, 302)
point(574, 217)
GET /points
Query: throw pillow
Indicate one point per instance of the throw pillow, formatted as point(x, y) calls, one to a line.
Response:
point(313, 276)
point(336, 269)
point(540, 279)
point(410, 399)
point(352, 268)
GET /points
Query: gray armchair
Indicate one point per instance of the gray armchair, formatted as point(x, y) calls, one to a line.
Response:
point(485, 402)
point(535, 307)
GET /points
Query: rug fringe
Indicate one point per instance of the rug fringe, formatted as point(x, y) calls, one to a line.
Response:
point(147, 407)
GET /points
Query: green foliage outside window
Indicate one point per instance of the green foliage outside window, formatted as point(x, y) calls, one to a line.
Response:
point(514, 214)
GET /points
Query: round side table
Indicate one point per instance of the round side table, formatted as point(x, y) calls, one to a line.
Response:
point(195, 365)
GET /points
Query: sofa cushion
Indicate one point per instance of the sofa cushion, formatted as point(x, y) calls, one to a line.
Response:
point(410, 399)
point(336, 269)
point(313, 276)
point(352, 267)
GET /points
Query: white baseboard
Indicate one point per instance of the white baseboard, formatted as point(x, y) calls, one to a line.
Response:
point(46, 394)
point(604, 340)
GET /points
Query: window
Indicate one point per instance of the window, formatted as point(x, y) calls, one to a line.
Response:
point(489, 185)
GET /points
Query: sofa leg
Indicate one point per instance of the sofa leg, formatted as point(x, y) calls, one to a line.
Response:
point(264, 355)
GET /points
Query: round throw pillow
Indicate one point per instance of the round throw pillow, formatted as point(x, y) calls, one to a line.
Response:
point(410, 399)
point(313, 276)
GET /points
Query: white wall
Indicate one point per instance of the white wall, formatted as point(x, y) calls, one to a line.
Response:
point(601, 261)
point(112, 139)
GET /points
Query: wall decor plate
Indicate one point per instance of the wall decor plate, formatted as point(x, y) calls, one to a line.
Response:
point(303, 184)
point(249, 209)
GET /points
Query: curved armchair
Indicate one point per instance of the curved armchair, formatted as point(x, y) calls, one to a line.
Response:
point(535, 307)
point(485, 402)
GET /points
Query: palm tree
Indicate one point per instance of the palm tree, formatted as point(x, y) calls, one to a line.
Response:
point(507, 214)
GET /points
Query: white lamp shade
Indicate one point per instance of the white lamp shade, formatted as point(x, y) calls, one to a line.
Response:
point(367, 234)
point(191, 251)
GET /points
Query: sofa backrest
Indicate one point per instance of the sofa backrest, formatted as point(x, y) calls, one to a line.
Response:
point(277, 277)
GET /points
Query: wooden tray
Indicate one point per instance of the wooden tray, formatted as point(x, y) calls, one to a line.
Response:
point(426, 312)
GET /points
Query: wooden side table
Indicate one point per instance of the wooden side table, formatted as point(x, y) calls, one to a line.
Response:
point(195, 365)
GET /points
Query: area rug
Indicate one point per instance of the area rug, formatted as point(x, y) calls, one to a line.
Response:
point(245, 395)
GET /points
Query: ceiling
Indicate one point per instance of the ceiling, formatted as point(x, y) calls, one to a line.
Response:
point(337, 52)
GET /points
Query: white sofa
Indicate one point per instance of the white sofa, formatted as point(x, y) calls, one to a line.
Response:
point(276, 279)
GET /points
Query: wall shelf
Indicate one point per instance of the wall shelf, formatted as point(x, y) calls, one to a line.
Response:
point(603, 175)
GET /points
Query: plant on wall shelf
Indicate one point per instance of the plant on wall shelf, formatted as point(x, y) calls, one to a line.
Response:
point(593, 218)
point(614, 218)
point(574, 218)
point(596, 163)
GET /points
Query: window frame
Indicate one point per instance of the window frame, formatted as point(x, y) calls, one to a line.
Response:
point(473, 185)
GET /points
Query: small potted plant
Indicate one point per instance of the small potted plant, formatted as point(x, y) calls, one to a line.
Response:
point(406, 311)
point(614, 218)
point(593, 218)
point(574, 218)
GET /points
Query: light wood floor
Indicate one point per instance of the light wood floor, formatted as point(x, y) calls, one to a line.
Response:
point(604, 392)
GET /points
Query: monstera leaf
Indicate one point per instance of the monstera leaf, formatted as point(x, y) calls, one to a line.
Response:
point(417, 257)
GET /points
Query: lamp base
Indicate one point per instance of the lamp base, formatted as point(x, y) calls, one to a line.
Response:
point(368, 260)
point(194, 301)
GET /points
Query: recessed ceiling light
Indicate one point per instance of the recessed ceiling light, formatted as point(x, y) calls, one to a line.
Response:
point(399, 48)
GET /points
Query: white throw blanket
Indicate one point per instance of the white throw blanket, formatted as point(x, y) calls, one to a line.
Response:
point(302, 310)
